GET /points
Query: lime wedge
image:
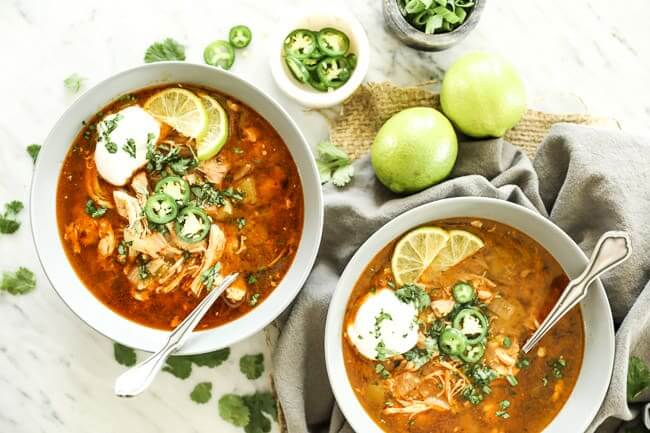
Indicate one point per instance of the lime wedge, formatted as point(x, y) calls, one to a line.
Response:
point(461, 245)
point(415, 252)
point(180, 109)
point(217, 133)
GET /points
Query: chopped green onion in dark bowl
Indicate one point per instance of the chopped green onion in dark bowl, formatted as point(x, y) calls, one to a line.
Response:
point(432, 25)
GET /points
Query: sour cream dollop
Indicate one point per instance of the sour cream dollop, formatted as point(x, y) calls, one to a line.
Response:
point(121, 149)
point(383, 326)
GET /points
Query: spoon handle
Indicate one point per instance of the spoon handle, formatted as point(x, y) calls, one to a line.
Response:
point(612, 249)
point(135, 380)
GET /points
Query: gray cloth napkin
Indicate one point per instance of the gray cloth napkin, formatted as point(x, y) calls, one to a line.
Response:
point(587, 181)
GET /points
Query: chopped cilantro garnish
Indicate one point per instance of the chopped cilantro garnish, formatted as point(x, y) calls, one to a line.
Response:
point(93, 210)
point(507, 342)
point(255, 298)
point(380, 369)
point(503, 413)
point(512, 380)
point(241, 223)
point(380, 318)
point(557, 367)
point(414, 294)
point(129, 147)
point(124, 355)
point(202, 393)
point(18, 283)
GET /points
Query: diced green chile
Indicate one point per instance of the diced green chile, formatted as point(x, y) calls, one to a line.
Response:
point(160, 208)
point(333, 72)
point(452, 341)
point(240, 36)
point(298, 70)
point(300, 44)
point(188, 213)
point(333, 42)
point(219, 53)
point(463, 292)
point(468, 314)
point(176, 187)
point(473, 354)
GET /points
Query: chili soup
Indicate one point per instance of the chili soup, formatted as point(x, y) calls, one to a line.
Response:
point(167, 190)
point(434, 325)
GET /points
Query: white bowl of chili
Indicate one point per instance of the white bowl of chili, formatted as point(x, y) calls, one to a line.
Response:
point(529, 398)
point(315, 80)
point(74, 274)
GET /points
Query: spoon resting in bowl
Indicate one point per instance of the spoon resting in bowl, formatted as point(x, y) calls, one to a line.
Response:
point(612, 249)
point(135, 380)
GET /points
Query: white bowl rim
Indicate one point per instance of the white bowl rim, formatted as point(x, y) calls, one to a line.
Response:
point(221, 336)
point(568, 419)
point(312, 98)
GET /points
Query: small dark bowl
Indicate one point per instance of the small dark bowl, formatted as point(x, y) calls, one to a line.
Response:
point(417, 39)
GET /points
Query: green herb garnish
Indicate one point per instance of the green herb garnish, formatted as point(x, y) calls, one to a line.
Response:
point(129, 147)
point(8, 223)
point(93, 210)
point(124, 355)
point(233, 409)
point(414, 294)
point(202, 393)
point(18, 283)
point(241, 223)
point(252, 366)
point(334, 165)
point(435, 16)
point(33, 150)
point(181, 366)
point(503, 413)
point(249, 411)
point(168, 49)
point(73, 82)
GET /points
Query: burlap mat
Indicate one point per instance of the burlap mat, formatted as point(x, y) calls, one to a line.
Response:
point(355, 127)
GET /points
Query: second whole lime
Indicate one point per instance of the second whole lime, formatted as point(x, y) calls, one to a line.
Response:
point(414, 149)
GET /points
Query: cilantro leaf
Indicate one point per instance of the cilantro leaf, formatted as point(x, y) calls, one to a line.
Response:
point(638, 377)
point(412, 293)
point(343, 175)
point(334, 165)
point(233, 409)
point(93, 210)
point(179, 366)
point(124, 355)
point(8, 224)
point(252, 366)
point(18, 283)
point(33, 150)
point(258, 404)
point(14, 207)
point(73, 82)
point(202, 393)
point(167, 49)
point(212, 359)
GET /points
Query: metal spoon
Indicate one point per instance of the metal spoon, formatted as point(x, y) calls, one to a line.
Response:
point(135, 380)
point(612, 249)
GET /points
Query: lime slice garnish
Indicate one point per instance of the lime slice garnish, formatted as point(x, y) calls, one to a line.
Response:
point(180, 109)
point(217, 133)
point(415, 252)
point(461, 245)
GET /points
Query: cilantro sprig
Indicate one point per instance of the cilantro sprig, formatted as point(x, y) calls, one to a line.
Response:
point(167, 49)
point(8, 223)
point(202, 393)
point(73, 82)
point(181, 366)
point(638, 378)
point(334, 165)
point(252, 366)
point(33, 151)
point(19, 282)
point(250, 411)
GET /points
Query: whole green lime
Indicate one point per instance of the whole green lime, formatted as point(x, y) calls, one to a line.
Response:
point(483, 95)
point(414, 149)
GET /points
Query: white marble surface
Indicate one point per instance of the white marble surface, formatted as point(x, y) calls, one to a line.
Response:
point(55, 373)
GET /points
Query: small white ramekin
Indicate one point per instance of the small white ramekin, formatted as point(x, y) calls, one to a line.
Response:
point(315, 19)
